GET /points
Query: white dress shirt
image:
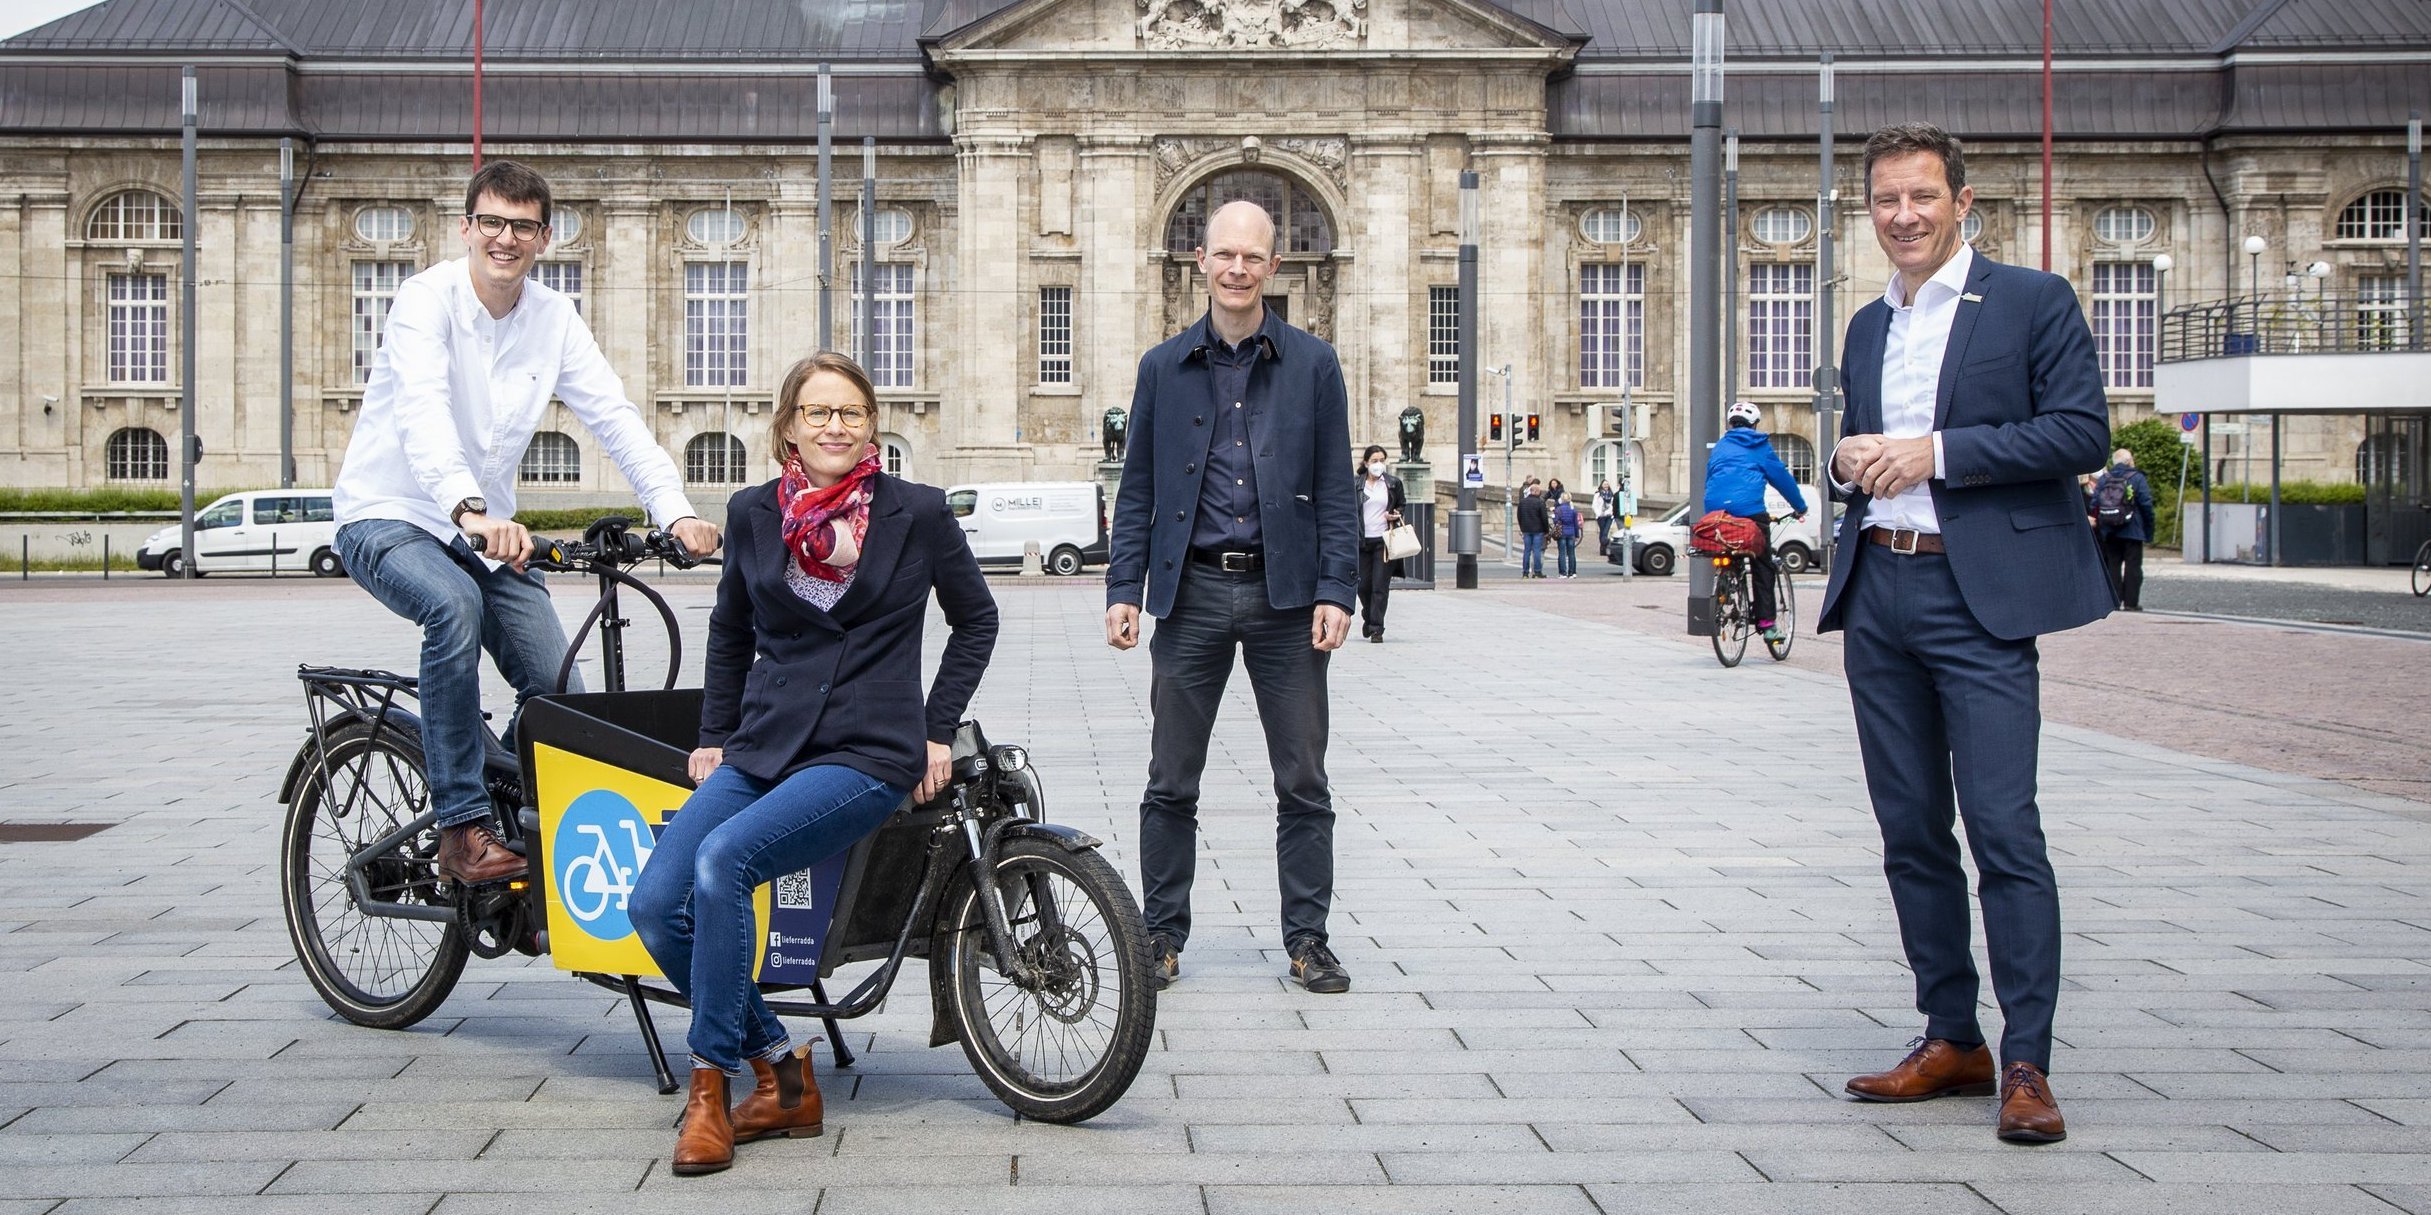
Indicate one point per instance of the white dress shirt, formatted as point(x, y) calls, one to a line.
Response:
point(1911, 382)
point(455, 396)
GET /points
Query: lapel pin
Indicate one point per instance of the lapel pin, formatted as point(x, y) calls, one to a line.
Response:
point(1971, 298)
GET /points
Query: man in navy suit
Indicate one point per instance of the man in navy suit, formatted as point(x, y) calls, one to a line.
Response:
point(1974, 401)
point(1237, 528)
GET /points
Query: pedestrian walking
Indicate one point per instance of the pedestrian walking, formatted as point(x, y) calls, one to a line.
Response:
point(2122, 517)
point(1565, 530)
point(1605, 513)
point(1532, 525)
point(1380, 505)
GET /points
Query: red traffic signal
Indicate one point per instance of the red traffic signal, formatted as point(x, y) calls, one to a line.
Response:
point(1532, 428)
point(1494, 428)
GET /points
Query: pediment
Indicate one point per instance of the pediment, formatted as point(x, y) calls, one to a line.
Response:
point(1251, 27)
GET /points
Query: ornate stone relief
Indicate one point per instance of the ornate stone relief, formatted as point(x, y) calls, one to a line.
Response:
point(1174, 155)
point(1169, 25)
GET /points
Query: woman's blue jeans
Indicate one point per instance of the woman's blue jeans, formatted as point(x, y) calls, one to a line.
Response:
point(692, 903)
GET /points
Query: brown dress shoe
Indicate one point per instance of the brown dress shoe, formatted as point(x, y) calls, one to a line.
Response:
point(704, 1142)
point(2029, 1113)
point(473, 853)
point(1937, 1067)
point(785, 1104)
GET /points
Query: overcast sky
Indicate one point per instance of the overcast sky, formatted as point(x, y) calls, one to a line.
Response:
point(18, 16)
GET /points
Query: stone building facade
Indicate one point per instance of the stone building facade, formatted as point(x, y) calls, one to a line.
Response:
point(1042, 167)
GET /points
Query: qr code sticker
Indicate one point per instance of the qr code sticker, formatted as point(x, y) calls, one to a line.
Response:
point(793, 891)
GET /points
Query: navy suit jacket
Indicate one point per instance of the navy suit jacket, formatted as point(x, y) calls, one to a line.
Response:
point(2021, 414)
point(1299, 440)
point(788, 685)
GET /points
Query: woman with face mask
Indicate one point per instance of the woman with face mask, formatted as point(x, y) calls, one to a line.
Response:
point(1380, 504)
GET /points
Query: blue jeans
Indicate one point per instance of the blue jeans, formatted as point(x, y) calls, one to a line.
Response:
point(692, 903)
point(1192, 654)
point(464, 607)
point(1566, 564)
point(1532, 553)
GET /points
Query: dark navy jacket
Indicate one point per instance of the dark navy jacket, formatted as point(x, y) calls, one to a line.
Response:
point(2021, 415)
point(2139, 521)
point(788, 685)
point(1299, 429)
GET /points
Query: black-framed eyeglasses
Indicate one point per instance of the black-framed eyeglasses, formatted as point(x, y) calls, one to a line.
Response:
point(492, 225)
point(855, 416)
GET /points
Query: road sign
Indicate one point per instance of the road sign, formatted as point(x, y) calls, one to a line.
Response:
point(2188, 421)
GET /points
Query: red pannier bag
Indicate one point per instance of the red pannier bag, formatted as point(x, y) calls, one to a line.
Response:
point(1718, 532)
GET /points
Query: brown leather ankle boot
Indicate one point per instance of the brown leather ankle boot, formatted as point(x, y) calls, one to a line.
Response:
point(785, 1103)
point(705, 1141)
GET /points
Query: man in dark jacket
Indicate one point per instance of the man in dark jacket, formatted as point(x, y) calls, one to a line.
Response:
point(2122, 513)
point(1741, 465)
point(1533, 522)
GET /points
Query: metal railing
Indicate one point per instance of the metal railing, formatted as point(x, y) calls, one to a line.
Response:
point(2302, 322)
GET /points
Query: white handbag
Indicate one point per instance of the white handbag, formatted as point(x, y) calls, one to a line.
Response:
point(1400, 541)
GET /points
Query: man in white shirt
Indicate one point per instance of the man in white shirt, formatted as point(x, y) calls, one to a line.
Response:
point(471, 356)
point(1974, 401)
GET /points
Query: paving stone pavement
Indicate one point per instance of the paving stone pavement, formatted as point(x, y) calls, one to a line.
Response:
point(1615, 916)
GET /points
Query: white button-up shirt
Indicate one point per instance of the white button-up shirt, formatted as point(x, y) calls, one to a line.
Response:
point(456, 394)
point(1911, 382)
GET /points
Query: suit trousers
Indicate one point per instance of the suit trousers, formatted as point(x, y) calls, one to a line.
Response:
point(1214, 614)
point(1948, 720)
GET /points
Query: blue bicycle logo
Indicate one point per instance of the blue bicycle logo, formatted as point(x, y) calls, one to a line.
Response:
point(602, 843)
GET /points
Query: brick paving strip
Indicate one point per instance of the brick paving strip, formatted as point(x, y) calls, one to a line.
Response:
point(1615, 915)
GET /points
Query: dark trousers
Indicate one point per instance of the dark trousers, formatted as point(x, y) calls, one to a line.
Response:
point(1375, 585)
point(1764, 567)
point(1213, 615)
point(1945, 708)
point(2123, 560)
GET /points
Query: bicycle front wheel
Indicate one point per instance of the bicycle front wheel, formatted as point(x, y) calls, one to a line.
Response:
point(382, 971)
point(2422, 570)
point(1785, 616)
point(1066, 1049)
point(1730, 614)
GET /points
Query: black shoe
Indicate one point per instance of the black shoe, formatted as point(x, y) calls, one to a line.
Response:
point(1314, 967)
point(1164, 963)
point(1377, 636)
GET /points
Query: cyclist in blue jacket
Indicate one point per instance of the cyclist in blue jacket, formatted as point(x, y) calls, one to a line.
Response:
point(1735, 476)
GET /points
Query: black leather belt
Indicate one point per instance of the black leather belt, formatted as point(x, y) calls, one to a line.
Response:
point(1904, 541)
point(1229, 562)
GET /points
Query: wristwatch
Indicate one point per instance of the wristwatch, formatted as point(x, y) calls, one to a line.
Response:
point(470, 506)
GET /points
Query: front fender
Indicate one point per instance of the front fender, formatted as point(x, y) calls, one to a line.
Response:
point(1070, 839)
point(942, 1027)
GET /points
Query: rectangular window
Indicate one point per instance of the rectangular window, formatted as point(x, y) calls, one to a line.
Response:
point(1443, 335)
point(1055, 335)
point(1780, 325)
point(1612, 326)
point(2380, 312)
point(562, 277)
point(375, 287)
point(2123, 309)
point(889, 359)
point(717, 325)
point(139, 328)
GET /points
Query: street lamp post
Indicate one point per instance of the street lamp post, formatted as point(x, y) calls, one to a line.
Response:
point(2254, 245)
point(1704, 278)
point(2162, 264)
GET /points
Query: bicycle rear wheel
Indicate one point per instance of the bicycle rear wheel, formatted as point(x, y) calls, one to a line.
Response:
point(381, 971)
point(2422, 570)
point(1730, 613)
point(1785, 616)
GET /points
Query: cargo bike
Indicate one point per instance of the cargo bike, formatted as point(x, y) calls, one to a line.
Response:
point(1037, 963)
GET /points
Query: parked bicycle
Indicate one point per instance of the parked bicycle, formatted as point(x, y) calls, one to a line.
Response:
point(1734, 604)
point(1037, 962)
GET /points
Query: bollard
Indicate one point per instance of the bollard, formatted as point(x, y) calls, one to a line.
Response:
point(105, 556)
point(274, 554)
point(1031, 566)
point(25, 557)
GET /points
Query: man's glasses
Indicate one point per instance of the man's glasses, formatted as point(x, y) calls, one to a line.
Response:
point(855, 416)
point(492, 225)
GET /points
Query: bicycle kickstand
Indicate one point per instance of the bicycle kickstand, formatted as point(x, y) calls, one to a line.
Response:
point(835, 1032)
point(650, 1043)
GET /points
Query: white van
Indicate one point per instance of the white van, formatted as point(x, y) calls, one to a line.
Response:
point(1066, 518)
point(287, 530)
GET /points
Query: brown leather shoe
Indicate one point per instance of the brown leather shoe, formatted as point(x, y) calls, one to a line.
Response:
point(1937, 1067)
point(473, 853)
point(704, 1142)
point(785, 1104)
point(2029, 1113)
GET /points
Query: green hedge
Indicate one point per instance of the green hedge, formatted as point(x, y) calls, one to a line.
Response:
point(101, 501)
point(568, 523)
point(2159, 453)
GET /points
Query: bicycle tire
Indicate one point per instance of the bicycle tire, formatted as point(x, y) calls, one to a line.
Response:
point(2422, 570)
point(1091, 943)
point(1730, 614)
point(375, 971)
point(1785, 616)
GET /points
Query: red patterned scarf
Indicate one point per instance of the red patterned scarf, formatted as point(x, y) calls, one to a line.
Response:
point(824, 527)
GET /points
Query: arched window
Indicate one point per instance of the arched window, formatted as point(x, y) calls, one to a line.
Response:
point(135, 215)
point(2124, 225)
point(137, 454)
point(1610, 226)
point(2380, 215)
point(565, 226)
point(893, 224)
point(1971, 229)
point(383, 225)
point(715, 226)
point(894, 455)
point(552, 459)
point(1798, 454)
point(1781, 225)
point(715, 458)
point(1301, 222)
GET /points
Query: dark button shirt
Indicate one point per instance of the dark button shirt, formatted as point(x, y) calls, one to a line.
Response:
point(1228, 493)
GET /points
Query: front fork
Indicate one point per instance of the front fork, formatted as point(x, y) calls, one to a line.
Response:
point(984, 846)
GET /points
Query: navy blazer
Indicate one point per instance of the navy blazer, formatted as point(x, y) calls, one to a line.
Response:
point(788, 685)
point(1300, 441)
point(2021, 414)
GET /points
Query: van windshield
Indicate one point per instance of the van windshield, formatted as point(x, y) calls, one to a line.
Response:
point(962, 502)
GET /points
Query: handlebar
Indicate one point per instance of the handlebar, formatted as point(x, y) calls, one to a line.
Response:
point(609, 544)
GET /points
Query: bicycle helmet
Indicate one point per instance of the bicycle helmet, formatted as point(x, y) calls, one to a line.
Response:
point(1744, 413)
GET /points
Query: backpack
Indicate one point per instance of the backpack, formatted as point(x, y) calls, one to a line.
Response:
point(2114, 502)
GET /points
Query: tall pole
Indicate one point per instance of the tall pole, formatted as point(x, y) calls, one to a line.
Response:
point(2414, 236)
point(827, 216)
point(477, 24)
point(1730, 262)
point(1827, 376)
point(869, 251)
point(1464, 537)
point(2046, 136)
point(186, 453)
point(1704, 275)
point(286, 313)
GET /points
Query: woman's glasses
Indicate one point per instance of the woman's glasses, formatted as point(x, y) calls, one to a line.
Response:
point(853, 415)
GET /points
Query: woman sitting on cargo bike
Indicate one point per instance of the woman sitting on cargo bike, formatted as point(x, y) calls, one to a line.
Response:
point(813, 727)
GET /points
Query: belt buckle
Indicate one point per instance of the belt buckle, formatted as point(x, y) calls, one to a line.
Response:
point(1912, 535)
point(1233, 563)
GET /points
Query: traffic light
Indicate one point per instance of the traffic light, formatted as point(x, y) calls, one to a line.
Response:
point(1532, 428)
point(1494, 427)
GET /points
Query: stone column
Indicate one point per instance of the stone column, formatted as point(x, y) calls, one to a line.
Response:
point(1512, 321)
point(1375, 296)
point(1117, 313)
point(982, 411)
point(630, 281)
